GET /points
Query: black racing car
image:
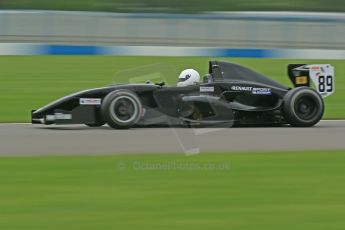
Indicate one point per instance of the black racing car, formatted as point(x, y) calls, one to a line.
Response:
point(230, 94)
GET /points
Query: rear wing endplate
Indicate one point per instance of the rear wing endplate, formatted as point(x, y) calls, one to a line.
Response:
point(320, 75)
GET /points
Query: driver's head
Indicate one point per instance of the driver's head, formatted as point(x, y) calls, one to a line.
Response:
point(188, 77)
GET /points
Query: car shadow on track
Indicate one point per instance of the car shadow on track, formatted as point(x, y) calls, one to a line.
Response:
point(105, 127)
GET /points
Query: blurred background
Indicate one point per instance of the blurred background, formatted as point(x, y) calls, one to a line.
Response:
point(190, 6)
point(220, 23)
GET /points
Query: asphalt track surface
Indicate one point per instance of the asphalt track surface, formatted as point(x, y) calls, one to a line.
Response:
point(30, 140)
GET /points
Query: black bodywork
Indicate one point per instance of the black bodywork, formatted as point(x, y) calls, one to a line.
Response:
point(229, 94)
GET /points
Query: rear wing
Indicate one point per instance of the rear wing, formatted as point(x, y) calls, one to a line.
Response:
point(321, 75)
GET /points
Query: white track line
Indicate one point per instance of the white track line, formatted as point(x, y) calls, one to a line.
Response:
point(14, 123)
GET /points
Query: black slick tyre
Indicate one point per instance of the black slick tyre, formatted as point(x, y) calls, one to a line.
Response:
point(303, 107)
point(121, 109)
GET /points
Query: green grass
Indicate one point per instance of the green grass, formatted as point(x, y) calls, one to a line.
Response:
point(29, 82)
point(265, 191)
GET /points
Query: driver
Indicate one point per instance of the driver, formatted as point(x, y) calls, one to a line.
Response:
point(188, 77)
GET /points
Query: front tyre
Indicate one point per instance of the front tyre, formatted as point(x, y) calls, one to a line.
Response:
point(121, 109)
point(303, 107)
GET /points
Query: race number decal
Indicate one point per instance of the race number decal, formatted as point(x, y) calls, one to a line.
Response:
point(323, 79)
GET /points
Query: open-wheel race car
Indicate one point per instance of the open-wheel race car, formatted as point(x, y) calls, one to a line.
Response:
point(229, 95)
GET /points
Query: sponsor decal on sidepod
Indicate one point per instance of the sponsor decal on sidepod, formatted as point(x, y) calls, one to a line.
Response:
point(263, 91)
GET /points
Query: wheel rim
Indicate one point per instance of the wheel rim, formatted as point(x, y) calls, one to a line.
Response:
point(306, 107)
point(123, 109)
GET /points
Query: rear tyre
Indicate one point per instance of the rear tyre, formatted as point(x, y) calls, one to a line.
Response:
point(303, 107)
point(121, 109)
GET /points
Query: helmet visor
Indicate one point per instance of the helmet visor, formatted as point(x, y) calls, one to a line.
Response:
point(181, 79)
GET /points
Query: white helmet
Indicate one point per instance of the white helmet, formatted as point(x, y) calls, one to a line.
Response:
point(188, 77)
